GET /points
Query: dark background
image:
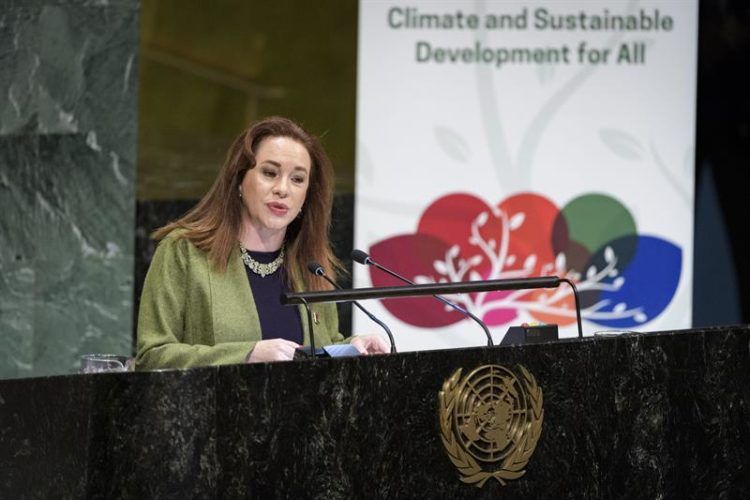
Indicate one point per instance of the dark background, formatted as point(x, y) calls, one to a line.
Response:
point(722, 156)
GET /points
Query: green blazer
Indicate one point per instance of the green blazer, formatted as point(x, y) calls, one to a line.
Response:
point(192, 315)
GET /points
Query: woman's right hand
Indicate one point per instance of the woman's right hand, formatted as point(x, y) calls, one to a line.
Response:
point(272, 350)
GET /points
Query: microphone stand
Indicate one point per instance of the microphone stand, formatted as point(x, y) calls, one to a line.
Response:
point(458, 308)
point(433, 289)
point(361, 308)
point(578, 305)
point(309, 325)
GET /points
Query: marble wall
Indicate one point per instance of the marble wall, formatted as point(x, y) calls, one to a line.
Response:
point(68, 90)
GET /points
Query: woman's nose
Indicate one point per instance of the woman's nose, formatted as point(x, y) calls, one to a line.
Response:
point(281, 188)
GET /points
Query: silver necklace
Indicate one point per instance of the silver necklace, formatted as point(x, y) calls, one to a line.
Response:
point(259, 268)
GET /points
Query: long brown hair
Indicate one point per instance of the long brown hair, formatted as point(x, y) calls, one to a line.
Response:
point(213, 225)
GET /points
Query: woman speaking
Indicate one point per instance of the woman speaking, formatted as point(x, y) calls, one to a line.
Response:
point(212, 292)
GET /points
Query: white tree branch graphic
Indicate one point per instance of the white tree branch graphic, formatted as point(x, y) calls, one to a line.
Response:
point(555, 302)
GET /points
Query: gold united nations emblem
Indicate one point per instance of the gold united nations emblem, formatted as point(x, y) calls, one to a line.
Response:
point(490, 422)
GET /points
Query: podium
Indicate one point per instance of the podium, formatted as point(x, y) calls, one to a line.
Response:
point(650, 415)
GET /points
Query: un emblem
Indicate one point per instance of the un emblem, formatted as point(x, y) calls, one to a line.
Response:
point(490, 422)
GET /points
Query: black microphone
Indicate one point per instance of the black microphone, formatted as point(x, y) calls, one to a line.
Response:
point(318, 270)
point(362, 258)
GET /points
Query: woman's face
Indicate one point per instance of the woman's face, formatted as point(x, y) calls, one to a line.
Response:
point(274, 190)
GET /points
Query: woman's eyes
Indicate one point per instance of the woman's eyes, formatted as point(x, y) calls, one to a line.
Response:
point(297, 179)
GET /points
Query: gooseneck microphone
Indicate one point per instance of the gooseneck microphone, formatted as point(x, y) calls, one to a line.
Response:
point(318, 270)
point(362, 258)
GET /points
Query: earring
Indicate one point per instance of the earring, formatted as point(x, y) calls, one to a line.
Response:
point(239, 188)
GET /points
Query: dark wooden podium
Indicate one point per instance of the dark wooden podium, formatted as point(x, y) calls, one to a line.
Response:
point(658, 415)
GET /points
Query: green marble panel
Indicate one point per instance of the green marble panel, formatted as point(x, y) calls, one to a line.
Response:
point(67, 177)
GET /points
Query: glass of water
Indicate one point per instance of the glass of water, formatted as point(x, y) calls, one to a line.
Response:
point(613, 333)
point(105, 363)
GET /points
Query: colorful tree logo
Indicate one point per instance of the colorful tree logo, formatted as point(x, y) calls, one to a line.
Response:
point(624, 279)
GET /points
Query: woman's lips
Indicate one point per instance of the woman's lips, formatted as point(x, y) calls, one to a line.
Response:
point(277, 208)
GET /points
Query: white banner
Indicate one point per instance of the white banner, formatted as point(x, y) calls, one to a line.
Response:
point(502, 139)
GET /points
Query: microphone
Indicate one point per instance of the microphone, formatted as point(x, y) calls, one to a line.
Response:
point(362, 258)
point(318, 270)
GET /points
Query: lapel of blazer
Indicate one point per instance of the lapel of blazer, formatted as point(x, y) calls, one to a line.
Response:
point(299, 287)
point(305, 326)
point(232, 300)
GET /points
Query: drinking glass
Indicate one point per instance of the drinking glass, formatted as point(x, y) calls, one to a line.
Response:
point(612, 333)
point(103, 363)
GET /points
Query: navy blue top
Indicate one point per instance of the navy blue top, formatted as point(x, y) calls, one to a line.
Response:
point(276, 320)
